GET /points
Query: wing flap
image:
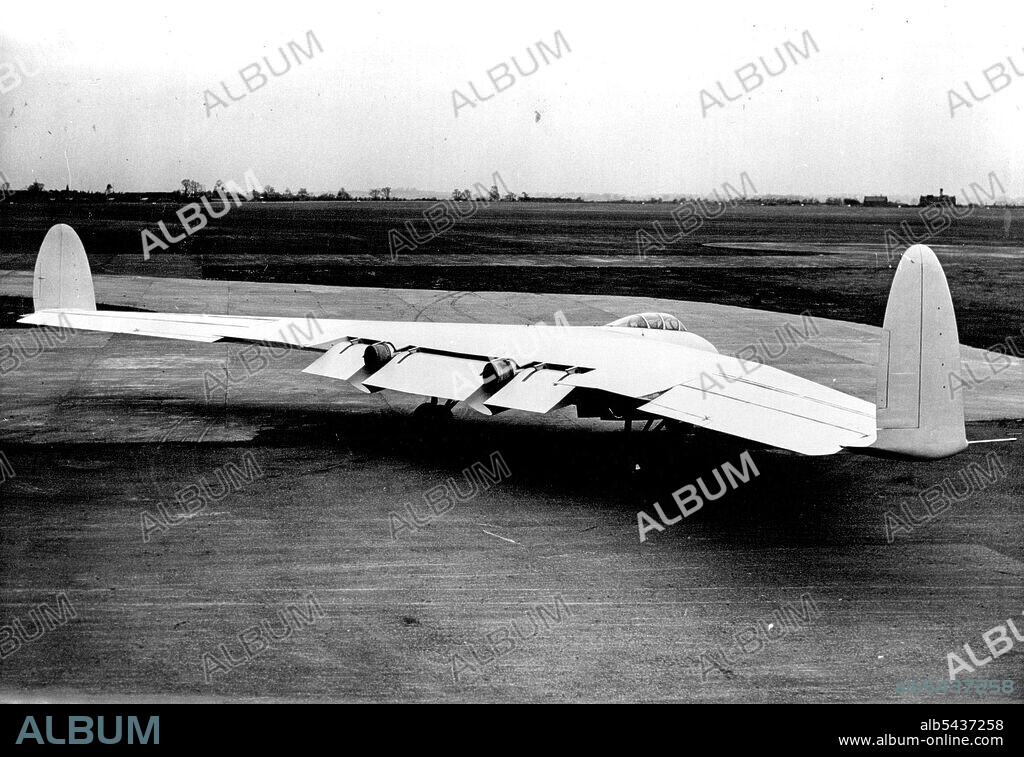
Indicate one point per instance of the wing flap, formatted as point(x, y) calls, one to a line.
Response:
point(96, 321)
point(430, 375)
point(805, 433)
point(784, 399)
point(297, 332)
point(535, 391)
point(342, 361)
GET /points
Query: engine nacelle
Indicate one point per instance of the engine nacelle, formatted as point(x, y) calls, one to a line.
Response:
point(376, 355)
point(499, 372)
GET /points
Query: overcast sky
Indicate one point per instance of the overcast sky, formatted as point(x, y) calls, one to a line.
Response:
point(116, 93)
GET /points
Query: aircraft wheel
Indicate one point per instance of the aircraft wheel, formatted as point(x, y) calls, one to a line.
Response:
point(432, 413)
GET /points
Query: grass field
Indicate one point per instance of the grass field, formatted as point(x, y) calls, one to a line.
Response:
point(772, 258)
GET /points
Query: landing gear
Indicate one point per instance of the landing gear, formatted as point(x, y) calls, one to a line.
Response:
point(637, 455)
point(434, 412)
point(631, 456)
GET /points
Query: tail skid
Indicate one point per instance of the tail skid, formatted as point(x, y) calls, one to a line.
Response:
point(917, 414)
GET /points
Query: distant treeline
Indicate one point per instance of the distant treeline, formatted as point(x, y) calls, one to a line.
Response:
point(76, 196)
point(36, 193)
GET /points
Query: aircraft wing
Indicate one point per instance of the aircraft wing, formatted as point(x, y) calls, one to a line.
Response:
point(491, 368)
point(550, 367)
point(294, 332)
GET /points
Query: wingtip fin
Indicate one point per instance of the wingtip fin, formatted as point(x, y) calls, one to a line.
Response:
point(918, 415)
point(62, 276)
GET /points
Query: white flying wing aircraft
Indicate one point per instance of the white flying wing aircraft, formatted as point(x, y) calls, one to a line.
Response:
point(641, 367)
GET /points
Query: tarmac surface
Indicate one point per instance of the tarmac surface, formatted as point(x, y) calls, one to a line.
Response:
point(534, 586)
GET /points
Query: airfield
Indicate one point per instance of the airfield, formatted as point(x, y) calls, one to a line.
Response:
point(100, 429)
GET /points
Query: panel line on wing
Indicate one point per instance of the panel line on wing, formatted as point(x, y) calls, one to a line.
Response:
point(801, 395)
point(780, 410)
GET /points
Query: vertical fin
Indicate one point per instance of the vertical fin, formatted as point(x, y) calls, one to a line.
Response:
point(917, 413)
point(62, 277)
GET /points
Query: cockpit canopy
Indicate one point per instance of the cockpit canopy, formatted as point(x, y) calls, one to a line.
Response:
point(662, 321)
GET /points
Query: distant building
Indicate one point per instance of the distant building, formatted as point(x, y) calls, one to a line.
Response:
point(876, 201)
point(940, 199)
